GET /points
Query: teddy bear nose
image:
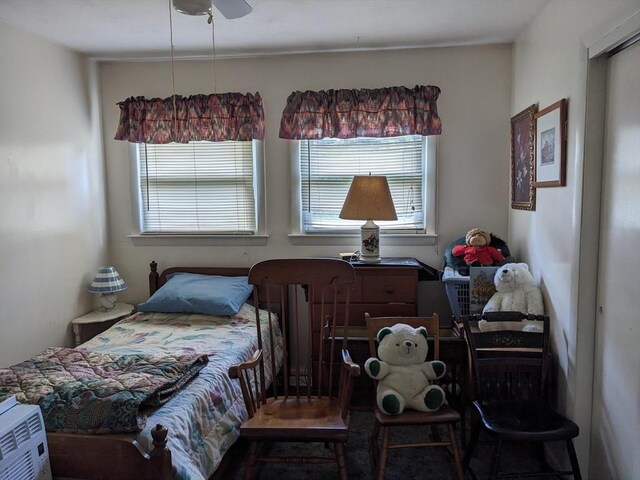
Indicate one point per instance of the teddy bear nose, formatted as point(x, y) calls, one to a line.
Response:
point(408, 344)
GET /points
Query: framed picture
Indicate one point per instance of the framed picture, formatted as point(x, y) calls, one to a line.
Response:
point(523, 195)
point(551, 145)
point(481, 287)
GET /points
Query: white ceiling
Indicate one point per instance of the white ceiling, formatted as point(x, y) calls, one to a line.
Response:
point(140, 28)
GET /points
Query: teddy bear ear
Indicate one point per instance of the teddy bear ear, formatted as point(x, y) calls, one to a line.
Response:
point(383, 333)
point(524, 265)
point(422, 331)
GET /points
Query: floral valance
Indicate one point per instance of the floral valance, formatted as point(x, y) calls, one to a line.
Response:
point(215, 118)
point(380, 112)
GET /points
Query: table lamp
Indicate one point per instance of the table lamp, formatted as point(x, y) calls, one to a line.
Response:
point(369, 199)
point(106, 282)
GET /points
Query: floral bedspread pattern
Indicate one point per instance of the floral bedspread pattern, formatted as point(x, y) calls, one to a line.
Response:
point(203, 419)
point(80, 391)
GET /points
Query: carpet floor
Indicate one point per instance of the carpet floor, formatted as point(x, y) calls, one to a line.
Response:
point(408, 463)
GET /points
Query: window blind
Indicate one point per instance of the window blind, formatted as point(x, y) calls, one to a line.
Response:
point(327, 168)
point(198, 187)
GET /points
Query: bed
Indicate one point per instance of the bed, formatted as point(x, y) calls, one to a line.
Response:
point(187, 437)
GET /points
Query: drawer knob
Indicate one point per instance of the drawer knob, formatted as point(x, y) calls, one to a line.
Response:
point(389, 289)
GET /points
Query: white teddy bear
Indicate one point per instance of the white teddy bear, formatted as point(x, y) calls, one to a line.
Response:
point(516, 291)
point(404, 377)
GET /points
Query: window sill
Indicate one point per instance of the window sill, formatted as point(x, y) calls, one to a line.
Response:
point(190, 240)
point(406, 239)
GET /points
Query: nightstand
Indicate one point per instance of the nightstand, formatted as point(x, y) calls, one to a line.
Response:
point(91, 324)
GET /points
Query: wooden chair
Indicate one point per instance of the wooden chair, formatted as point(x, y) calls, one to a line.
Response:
point(445, 416)
point(311, 401)
point(510, 372)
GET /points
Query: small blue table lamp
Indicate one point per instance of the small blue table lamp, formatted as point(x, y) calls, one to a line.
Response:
point(107, 282)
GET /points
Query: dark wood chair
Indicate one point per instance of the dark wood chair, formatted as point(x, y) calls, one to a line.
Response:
point(310, 402)
point(510, 375)
point(445, 416)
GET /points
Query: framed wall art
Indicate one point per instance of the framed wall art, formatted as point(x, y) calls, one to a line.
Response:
point(523, 194)
point(481, 287)
point(551, 145)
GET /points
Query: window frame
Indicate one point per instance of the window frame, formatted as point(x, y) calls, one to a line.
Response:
point(193, 238)
point(298, 236)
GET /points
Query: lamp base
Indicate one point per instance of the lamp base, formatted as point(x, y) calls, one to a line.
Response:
point(108, 301)
point(370, 242)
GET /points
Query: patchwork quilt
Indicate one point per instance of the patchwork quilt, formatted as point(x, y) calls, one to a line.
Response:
point(80, 391)
point(203, 418)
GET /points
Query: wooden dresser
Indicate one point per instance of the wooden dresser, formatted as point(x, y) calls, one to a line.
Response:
point(381, 289)
point(387, 288)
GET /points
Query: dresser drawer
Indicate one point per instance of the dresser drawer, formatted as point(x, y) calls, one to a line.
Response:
point(354, 292)
point(400, 288)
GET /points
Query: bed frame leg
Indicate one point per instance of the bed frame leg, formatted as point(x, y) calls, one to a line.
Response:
point(160, 454)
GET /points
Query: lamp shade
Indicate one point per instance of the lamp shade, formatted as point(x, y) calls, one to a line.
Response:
point(369, 198)
point(107, 280)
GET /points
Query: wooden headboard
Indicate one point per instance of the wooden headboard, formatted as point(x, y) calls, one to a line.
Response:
point(157, 280)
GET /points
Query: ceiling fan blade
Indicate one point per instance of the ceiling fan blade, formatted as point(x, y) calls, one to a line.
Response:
point(232, 8)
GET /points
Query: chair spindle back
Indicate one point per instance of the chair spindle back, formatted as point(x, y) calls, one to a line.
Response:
point(508, 364)
point(308, 323)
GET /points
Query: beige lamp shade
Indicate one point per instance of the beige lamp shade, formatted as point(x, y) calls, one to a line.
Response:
point(369, 198)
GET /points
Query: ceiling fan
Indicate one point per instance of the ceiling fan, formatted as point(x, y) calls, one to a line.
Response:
point(229, 9)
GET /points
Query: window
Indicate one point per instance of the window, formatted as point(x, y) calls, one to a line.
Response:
point(327, 167)
point(197, 188)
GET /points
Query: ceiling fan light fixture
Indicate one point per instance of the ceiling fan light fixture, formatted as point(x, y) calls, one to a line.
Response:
point(230, 9)
point(193, 7)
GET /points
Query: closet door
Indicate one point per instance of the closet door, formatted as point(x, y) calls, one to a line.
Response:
point(615, 432)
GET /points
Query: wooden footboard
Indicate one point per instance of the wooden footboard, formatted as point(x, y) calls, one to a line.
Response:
point(109, 456)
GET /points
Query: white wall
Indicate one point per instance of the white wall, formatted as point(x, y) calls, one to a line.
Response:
point(550, 63)
point(52, 193)
point(473, 159)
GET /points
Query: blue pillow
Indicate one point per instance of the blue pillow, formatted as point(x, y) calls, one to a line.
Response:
point(194, 293)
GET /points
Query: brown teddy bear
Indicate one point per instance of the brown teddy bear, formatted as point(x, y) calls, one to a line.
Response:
point(477, 250)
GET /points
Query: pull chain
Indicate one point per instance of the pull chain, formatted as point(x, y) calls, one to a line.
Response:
point(213, 47)
point(173, 73)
